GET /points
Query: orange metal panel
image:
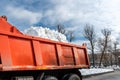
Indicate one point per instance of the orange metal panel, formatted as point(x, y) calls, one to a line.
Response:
point(38, 53)
point(60, 56)
point(68, 55)
point(43, 55)
point(6, 27)
point(5, 51)
point(77, 58)
point(21, 51)
point(87, 58)
point(48, 53)
point(82, 56)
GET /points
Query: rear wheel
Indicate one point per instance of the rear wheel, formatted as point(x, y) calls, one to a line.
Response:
point(49, 78)
point(71, 77)
point(46, 77)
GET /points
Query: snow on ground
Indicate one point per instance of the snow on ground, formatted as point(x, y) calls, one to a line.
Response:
point(114, 67)
point(45, 33)
point(92, 71)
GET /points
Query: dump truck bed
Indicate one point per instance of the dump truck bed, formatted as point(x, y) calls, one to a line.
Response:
point(23, 52)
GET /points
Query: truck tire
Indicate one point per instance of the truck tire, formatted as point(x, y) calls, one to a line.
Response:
point(49, 78)
point(72, 77)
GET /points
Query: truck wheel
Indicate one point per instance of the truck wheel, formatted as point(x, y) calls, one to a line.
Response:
point(72, 77)
point(50, 78)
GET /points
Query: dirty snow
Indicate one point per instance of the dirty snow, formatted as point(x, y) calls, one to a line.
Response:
point(45, 33)
point(92, 71)
point(114, 67)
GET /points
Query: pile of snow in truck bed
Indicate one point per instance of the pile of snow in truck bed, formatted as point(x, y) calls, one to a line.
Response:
point(45, 33)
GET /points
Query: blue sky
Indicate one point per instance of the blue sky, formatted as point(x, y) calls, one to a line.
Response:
point(74, 14)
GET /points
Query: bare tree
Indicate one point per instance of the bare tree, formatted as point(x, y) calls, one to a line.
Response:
point(61, 29)
point(90, 34)
point(115, 53)
point(115, 45)
point(69, 33)
point(70, 36)
point(104, 43)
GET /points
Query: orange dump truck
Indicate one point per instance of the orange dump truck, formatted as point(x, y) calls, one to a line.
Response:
point(24, 57)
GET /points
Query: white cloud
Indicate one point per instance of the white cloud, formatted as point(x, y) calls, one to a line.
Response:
point(75, 10)
point(100, 13)
point(23, 14)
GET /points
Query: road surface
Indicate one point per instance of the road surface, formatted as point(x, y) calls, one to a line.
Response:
point(109, 76)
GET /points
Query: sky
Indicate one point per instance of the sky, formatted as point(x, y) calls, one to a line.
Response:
point(73, 14)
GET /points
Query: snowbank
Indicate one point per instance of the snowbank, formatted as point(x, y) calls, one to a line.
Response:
point(86, 72)
point(45, 33)
point(114, 67)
